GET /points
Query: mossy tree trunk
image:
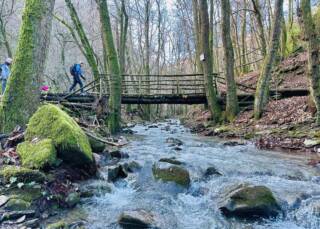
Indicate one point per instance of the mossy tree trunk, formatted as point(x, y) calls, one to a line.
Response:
point(262, 90)
point(309, 29)
point(88, 50)
point(232, 107)
point(22, 95)
point(245, 67)
point(112, 64)
point(207, 63)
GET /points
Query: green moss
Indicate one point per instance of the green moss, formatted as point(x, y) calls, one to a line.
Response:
point(58, 225)
point(293, 40)
point(172, 173)
point(24, 175)
point(28, 194)
point(17, 205)
point(37, 155)
point(254, 196)
point(70, 141)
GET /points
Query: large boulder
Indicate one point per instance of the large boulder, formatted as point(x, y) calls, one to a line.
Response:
point(136, 219)
point(8, 174)
point(250, 202)
point(37, 154)
point(169, 172)
point(72, 144)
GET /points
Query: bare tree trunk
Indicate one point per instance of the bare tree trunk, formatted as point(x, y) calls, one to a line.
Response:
point(88, 50)
point(262, 91)
point(207, 63)
point(196, 25)
point(232, 107)
point(22, 95)
point(257, 11)
point(114, 118)
point(308, 27)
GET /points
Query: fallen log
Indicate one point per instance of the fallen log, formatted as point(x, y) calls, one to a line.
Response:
point(95, 137)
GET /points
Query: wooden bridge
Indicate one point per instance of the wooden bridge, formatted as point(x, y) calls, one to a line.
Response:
point(164, 89)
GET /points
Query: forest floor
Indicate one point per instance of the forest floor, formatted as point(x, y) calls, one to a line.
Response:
point(287, 124)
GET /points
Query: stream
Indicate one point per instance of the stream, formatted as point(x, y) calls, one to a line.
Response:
point(295, 185)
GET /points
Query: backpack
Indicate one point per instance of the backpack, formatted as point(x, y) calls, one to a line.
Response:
point(73, 70)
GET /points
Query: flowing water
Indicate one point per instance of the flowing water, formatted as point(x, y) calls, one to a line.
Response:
point(295, 184)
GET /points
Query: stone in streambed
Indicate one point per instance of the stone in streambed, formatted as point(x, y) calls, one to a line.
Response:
point(171, 173)
point(136, 219)
point(211, 171)
point(116, 172)
point(3, 200)
point(250, 202)
point(171, 160)
point(174, 142)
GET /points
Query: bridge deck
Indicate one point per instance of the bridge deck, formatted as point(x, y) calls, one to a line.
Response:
point(200, 98)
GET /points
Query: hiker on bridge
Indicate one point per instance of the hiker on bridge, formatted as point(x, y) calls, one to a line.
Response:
point(5, 73)
point(76, 72)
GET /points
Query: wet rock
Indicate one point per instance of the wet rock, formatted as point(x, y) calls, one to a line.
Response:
point(14, 215)
point(174, 142)
point(211, 171)
point(17, 205)
point(94, 190)
point(131, 167)
point(250, 202)
point(24, 175)
point(96, 146)
point(168, 172)
point(172, 160)
point(72, 199)
point(118, 154)
point(233, 143)
point(136, 219)
point(116, 172)
point(128, 131)
point(152, 126)
point(3, 200)
point(177, 148)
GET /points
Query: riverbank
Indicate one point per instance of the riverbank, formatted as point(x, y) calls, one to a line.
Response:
point(287, 125)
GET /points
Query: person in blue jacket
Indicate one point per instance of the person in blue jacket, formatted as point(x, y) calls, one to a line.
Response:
point(5, 73)
point(76, 72)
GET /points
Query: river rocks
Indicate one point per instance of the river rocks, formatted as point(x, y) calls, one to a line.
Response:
point(168, 172)
point(174, 142)
point(72, 199)
point(71, 143)
point(95, 189)
point(20, 174)
point(116, 172)
point(96, 146)
point(131, 167)
point(17, 205)
point(171, 160)
point(250, 202)
point(211, 171)
point(58, 225)
point(136, 219)
point(118, 154)
point(37, 154)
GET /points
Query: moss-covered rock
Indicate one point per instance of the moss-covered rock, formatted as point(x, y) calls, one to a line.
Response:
point(168, 172)
point(250, 202)
point(17, 205)
point(70, 141)
point(73, 199)
point(96, 146)
point(58, 225)
point(37, 155)
point(24, 175)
